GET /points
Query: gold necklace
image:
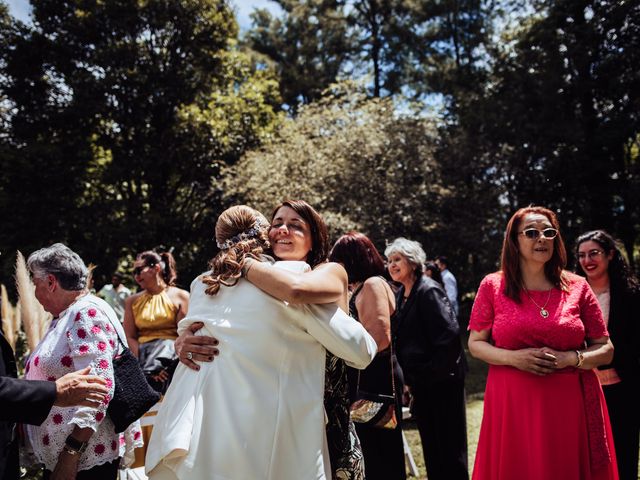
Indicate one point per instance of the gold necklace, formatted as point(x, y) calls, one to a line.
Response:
point(544, 313)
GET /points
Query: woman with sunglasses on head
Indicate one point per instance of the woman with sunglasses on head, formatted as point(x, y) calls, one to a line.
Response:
point(541, 330)
point(618, 293)
point(151, 316)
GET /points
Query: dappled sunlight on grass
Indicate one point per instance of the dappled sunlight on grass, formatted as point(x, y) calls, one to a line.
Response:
point(475, 385)
point(474, 418)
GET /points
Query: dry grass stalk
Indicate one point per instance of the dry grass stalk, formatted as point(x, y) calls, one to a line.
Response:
point(9, 318)
point(34, 318)
point(91, 267)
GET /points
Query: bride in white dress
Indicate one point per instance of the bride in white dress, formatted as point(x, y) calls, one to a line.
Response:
point(256, 412)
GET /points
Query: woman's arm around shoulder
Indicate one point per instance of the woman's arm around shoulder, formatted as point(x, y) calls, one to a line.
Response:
point(375, 304)
point(327, 283)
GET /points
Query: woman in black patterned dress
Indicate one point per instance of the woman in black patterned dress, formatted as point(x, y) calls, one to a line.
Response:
point(372, 303)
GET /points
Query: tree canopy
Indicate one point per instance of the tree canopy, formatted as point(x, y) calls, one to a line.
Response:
point(122, 114)
point(129, 124)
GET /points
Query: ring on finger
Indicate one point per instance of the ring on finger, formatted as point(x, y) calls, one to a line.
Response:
point(189, 355)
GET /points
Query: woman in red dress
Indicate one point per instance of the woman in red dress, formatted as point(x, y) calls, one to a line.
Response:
point(542, 332)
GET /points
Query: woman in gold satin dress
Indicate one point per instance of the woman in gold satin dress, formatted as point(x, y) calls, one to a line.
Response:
point(151, 319)
point(151, 316)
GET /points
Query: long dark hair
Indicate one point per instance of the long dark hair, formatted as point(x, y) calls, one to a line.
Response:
point(621, 278)
point(359, 256)
point(319, 234)
point(510, 258)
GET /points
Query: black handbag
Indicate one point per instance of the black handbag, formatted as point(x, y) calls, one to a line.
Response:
point(132, 394)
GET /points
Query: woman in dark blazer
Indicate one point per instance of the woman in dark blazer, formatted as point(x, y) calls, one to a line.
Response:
point(430, 353)
point(618, 292)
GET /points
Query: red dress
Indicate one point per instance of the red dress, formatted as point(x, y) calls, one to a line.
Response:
point(542, 427)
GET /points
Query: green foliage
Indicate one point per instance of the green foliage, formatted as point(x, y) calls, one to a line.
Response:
point(358, 161)
point(124, 112)
point(559, 120)
point(419, 46)
point(401, 45)
point(309, 45)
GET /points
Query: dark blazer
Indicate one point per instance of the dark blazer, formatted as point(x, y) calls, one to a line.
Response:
point(624, 331)
point(427, 334)
point(21, 401)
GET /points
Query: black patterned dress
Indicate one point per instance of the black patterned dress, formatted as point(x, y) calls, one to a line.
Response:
point(382, 448)
point(345, 452)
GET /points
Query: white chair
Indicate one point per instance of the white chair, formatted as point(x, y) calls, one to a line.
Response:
point(408, 456)
point(138, 473)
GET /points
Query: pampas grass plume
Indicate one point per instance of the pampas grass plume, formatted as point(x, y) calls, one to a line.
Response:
point(34, 318)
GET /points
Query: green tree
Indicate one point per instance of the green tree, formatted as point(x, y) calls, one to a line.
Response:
point(355, 160)
point(124, 112)
point(367, 167)
point(403, 46)
point(560, 116)
point(309, 44)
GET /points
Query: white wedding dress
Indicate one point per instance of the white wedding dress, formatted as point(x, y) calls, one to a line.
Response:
point(255, 412)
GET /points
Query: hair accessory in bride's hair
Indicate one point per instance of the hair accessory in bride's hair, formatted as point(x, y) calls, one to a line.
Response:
point(247, 234)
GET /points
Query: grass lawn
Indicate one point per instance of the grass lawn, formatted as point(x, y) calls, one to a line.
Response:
point(474, 383)
point(474, 417)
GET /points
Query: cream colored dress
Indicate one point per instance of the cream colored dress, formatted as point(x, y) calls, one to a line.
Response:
point(256, 411)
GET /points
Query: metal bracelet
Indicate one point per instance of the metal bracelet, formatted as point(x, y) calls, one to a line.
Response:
point(580, 358)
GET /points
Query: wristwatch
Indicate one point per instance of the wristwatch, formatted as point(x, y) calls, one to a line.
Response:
point(74, 446)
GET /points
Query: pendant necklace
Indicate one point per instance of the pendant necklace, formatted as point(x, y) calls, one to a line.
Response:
point(544, 313)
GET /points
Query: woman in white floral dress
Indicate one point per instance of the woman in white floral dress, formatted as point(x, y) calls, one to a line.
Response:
point(77, 442)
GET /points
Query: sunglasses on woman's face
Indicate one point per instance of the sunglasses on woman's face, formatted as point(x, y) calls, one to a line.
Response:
point(591, 254)
point(140, 269)
point(534, 233)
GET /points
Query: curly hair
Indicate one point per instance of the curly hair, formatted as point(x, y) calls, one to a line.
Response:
point(620, 275)
point(226, 266)
point(409, 249)
point(61, 262)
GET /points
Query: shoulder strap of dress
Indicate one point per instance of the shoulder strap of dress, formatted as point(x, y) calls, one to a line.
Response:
point(123, 344)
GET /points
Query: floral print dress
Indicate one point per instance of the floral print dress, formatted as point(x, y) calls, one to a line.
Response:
point(345, 452)
point(82, 335)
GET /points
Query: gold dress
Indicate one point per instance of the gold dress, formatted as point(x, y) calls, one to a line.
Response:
point(155, 318)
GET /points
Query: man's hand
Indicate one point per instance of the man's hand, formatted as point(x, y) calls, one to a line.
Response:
point(190, 347)
point(80, 388)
